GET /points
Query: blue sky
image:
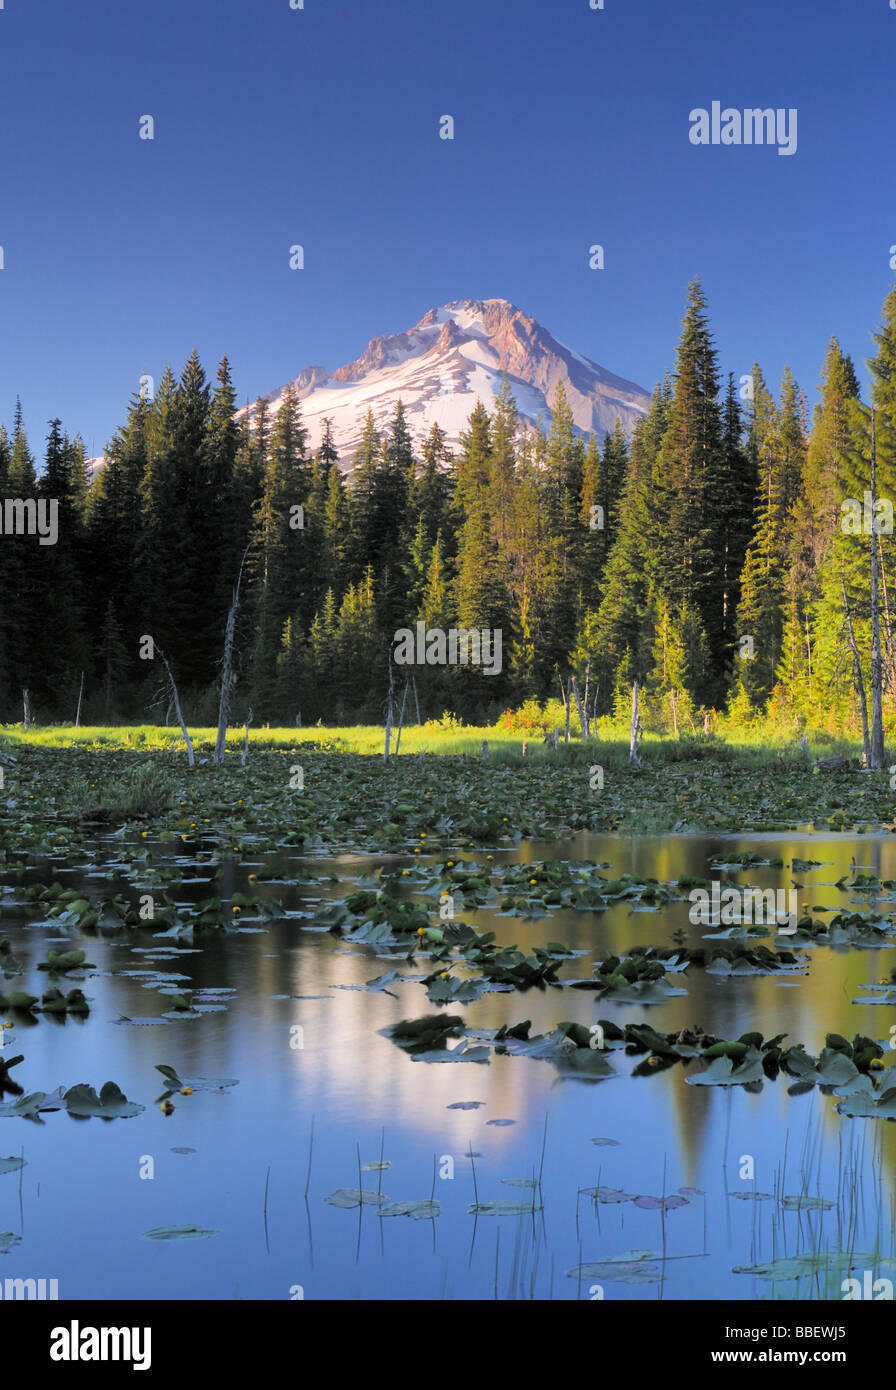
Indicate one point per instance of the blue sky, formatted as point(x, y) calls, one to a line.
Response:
point(319, 126)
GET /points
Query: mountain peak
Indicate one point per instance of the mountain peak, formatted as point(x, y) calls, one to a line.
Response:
point(455, 355)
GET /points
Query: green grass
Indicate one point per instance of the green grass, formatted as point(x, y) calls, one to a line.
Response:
point(57, 780)
point(756, 747)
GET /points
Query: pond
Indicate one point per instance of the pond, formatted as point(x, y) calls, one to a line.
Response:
point(285, 1012)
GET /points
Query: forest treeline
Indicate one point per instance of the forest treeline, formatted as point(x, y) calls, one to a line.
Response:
point(709, 556)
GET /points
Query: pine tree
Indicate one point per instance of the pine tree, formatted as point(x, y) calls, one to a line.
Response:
point(780, 450)
point(281, 574)
point(23, 568)
point(625, 632)
point(687, 481)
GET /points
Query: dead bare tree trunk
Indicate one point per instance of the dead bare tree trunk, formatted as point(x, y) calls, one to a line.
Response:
point(246, 740)
point(416, 701)
point(877, 717)
point(401, 717)
point(226, 668)
point(674, 711)
point(566, 702)
point(585, 695)
point(582, 722)
point(858, 677)
point(26, 708)
point(635, 734)
point(175, 700)
point(389, 713)
point(888, 629)
point(594, 711)
point(78, 711)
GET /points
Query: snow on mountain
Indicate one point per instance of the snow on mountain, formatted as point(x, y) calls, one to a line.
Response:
point(455, 355)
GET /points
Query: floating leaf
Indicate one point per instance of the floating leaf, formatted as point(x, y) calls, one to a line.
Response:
point(417, 1211)
point(29, 1107)
point(110, 1104)
point(504, 1208)
point(463, 1053)
point(722, 1072)
point(804, 1266)
point(352, 1197)
point(632, 1267)
point(11, 1165)
point(178, 1233)
point(862, 1105)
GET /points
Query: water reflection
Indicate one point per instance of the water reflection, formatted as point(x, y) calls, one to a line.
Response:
point(85, 1205)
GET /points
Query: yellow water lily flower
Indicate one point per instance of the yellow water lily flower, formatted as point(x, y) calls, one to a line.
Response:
point(187, 1091)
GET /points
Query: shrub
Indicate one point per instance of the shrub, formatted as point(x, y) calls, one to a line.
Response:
point(146, 791)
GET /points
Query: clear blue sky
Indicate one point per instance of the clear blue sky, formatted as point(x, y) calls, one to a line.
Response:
point(319, 126)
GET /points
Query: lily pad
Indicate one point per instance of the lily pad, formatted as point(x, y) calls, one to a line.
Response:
point(110, 1104)
point(29, 1107)
point(722, 1072)
point(463, 1053)
point(178, 1233)
point(417, 1211)
point(504, 1208)
point(632, 1267)
point(353, 1197)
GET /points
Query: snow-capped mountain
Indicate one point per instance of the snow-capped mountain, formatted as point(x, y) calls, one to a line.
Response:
point(452, 357)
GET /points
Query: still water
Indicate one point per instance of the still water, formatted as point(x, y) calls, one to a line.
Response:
point(84, 1200)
